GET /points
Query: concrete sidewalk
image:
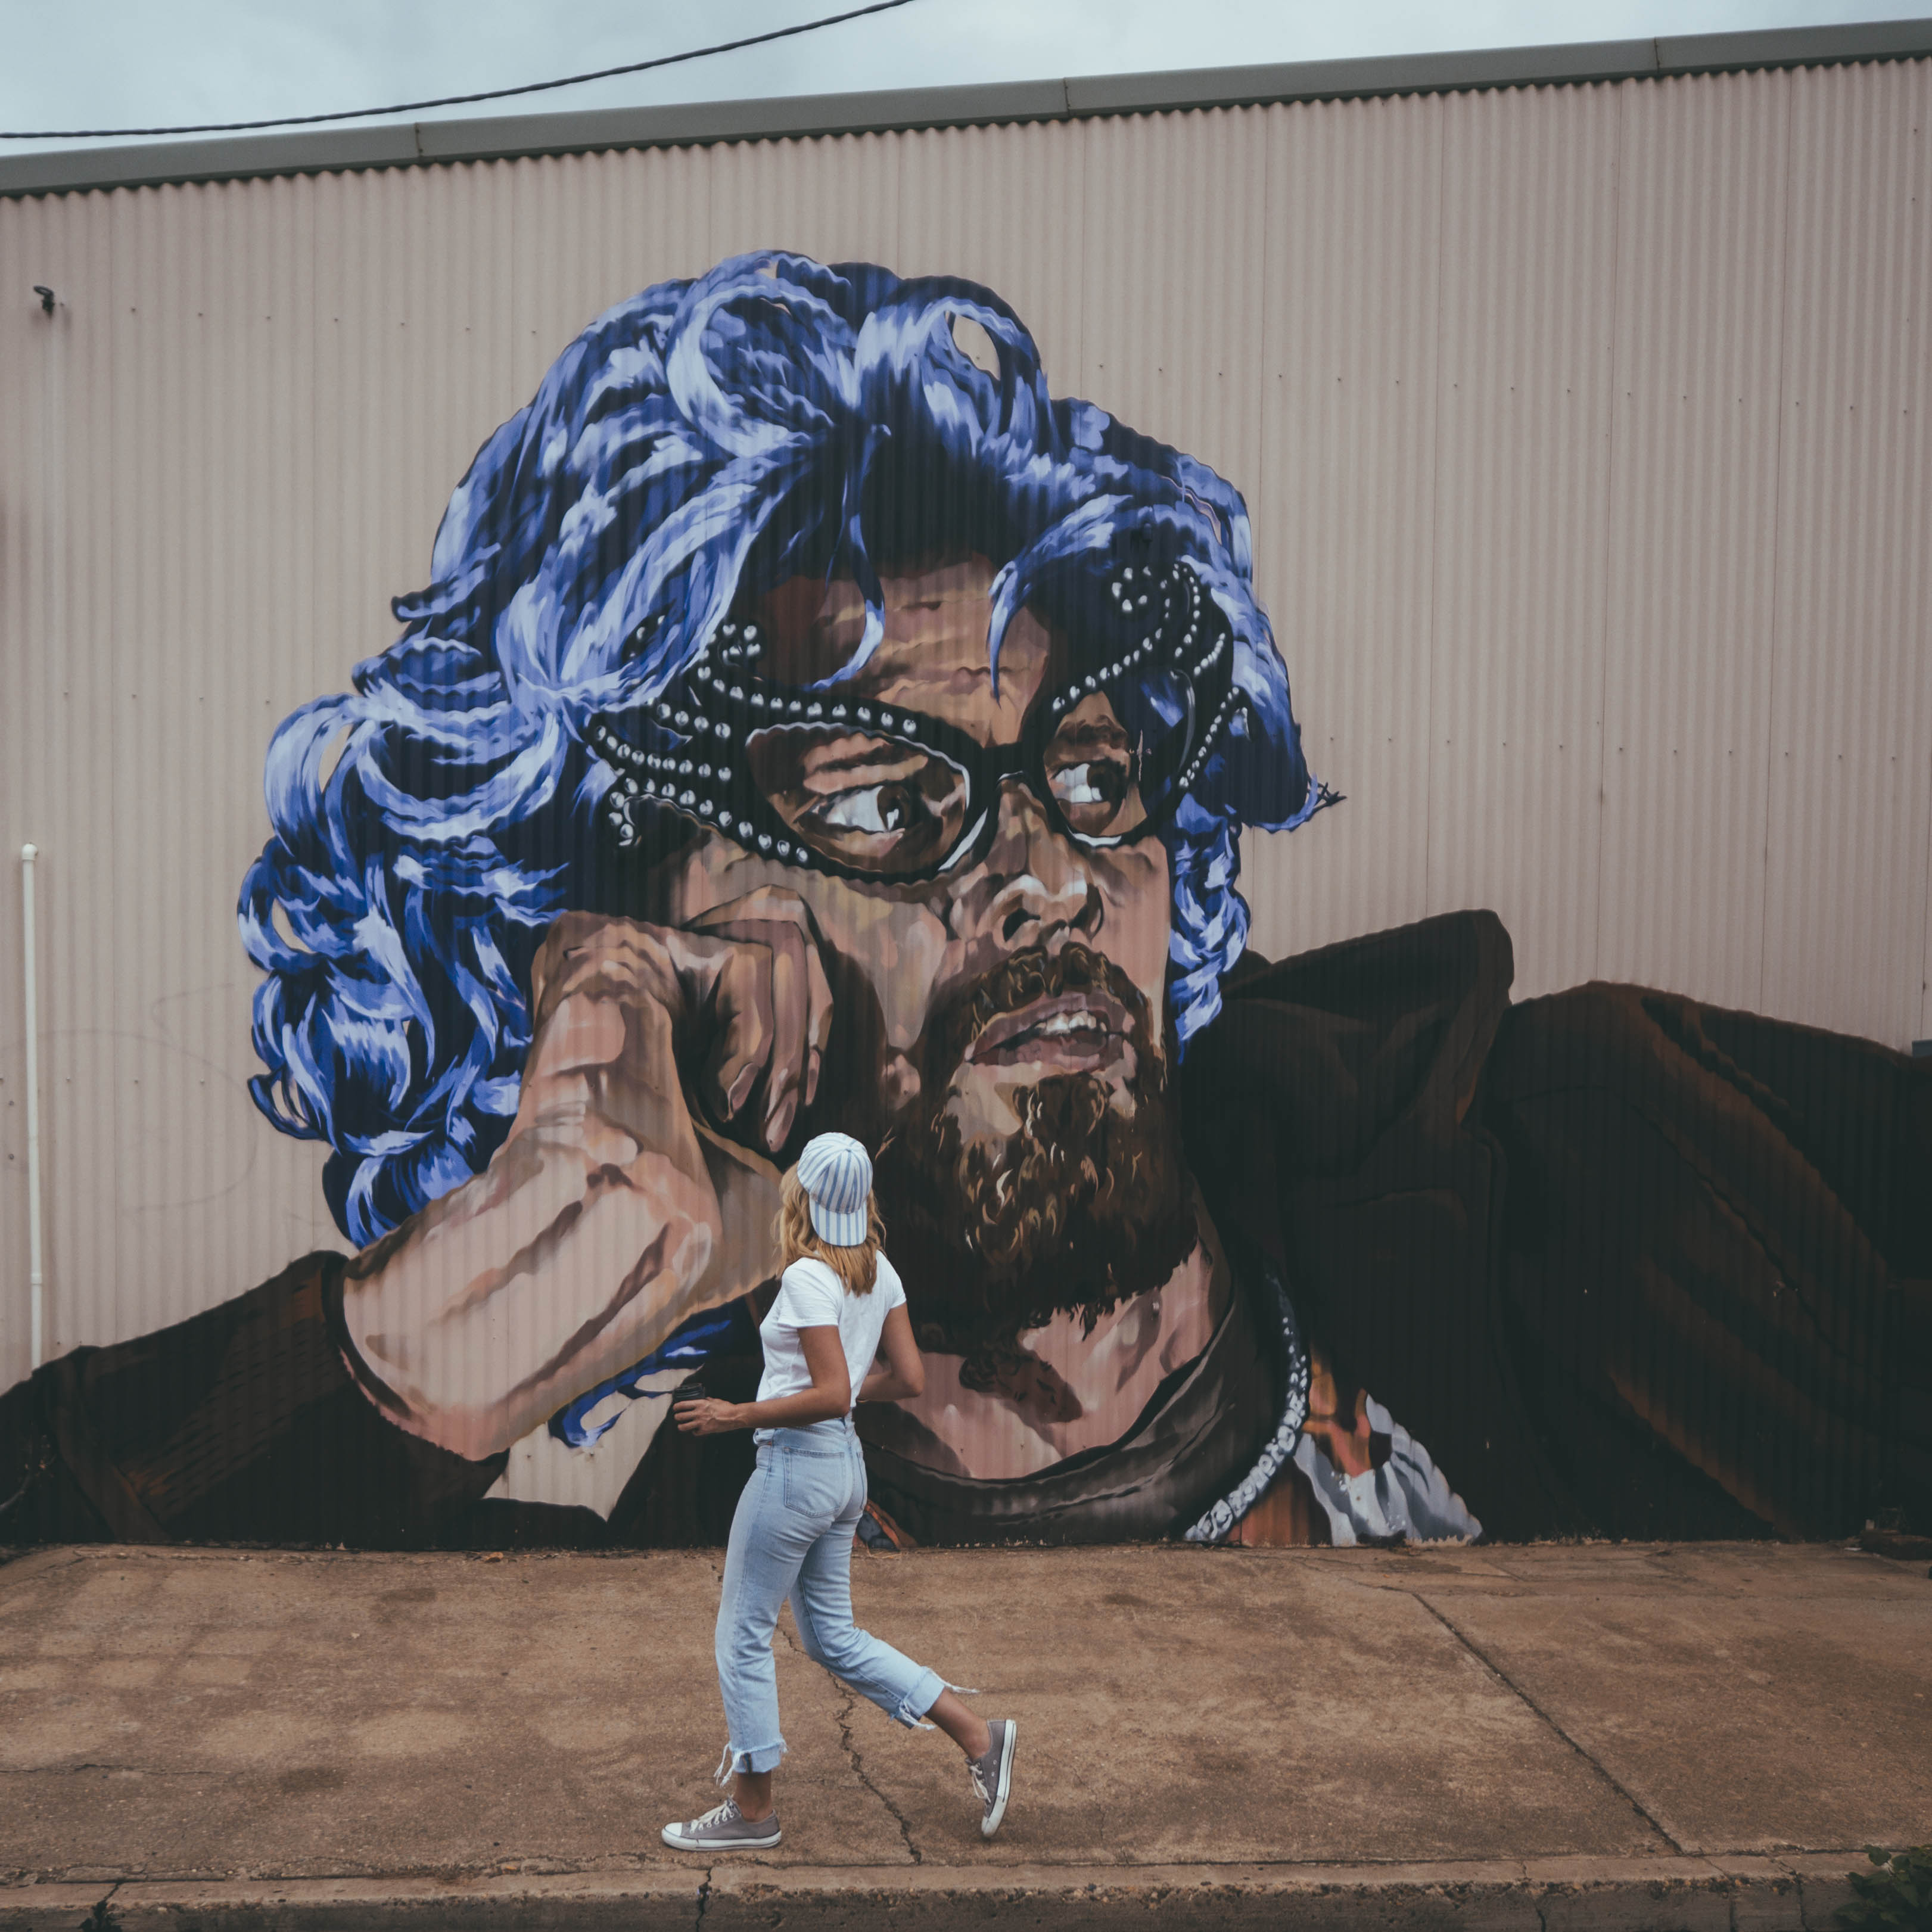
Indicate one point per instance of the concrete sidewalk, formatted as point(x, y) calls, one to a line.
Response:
point(1607, 1735)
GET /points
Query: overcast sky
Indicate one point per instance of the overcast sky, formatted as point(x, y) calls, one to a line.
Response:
point(121, 63)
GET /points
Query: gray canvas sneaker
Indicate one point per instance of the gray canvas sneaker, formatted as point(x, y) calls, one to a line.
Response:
point(726, 1829)
point(993, 1775)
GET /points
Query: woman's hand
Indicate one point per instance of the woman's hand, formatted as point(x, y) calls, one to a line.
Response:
point(707, 1416)
point(828, 1397)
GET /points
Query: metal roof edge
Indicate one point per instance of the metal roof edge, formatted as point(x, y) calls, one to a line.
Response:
point(504, 137)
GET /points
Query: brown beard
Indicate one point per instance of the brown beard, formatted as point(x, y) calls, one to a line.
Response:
point(1081, 1207)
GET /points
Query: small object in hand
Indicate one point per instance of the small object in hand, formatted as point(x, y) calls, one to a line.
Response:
point(691, 1391)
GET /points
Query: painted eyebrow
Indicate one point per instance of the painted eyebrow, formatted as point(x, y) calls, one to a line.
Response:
point(1091, 730)
point(885, 757)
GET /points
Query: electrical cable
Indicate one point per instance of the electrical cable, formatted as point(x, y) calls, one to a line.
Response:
point(457, 100)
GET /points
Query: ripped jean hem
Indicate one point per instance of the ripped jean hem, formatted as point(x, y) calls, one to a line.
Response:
point(916, 1702)
point(759, 1758)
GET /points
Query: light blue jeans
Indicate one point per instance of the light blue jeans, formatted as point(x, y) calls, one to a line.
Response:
point(792, 1537)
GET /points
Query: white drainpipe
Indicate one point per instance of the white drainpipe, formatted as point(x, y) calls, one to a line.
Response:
point(36, 1284)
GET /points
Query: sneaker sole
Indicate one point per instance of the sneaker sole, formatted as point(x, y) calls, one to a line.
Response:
point(678, 1843)
point(991, 1822)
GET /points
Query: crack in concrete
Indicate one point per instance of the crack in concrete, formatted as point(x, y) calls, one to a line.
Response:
point(1516, 1690)
point(703, 1898)
point(102, 1916)
point(898, 1817)
point(844, 1722)
point(33, 1573)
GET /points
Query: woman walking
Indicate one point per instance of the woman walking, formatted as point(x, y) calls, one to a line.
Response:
point(839, 1304)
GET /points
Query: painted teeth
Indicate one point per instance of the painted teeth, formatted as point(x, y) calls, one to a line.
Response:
point(1071, 1023)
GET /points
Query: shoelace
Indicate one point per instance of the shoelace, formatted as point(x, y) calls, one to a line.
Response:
point(722, 1814)
point(981, 1783)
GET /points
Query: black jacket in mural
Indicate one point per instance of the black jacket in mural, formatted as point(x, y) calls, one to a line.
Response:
point(1626, 1264)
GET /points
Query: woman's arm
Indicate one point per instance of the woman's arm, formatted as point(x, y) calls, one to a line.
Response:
point(830, 1394)
point(902, 1374)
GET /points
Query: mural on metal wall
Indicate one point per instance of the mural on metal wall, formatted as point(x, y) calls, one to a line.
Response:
point(813, 722)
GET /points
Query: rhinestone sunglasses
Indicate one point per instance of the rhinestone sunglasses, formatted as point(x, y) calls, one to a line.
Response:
point(869, 790)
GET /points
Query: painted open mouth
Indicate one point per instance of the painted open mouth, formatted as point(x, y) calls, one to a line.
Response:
point(1085, 1029)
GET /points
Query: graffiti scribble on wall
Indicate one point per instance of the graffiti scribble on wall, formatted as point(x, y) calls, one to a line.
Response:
point(813, 722)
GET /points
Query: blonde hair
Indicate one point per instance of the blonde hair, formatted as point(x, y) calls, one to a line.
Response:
point(798, 1240)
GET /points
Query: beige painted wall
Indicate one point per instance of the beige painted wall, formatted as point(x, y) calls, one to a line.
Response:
point(1584, 430)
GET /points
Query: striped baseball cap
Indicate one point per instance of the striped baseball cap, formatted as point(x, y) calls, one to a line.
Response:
point(836, 1174)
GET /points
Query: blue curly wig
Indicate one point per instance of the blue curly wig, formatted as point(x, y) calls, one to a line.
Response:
point(696, 444)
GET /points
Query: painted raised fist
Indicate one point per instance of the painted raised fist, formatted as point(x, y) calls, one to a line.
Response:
point(667, 1069)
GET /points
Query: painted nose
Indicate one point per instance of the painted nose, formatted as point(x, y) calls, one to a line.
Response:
point(1044, 882)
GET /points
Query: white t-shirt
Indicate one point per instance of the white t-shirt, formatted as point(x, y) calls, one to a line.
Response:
point(811, 1296)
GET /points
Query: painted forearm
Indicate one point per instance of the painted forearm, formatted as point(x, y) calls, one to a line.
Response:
point(442, 1313)
point(612, 1214)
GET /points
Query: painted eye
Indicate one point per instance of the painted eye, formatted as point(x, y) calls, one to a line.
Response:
point(876, 802)
point(893, 807)
point(1094, 773)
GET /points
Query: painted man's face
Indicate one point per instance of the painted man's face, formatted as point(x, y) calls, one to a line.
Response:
point(1001, 1028)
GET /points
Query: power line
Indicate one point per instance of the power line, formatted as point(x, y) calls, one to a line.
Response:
point(458, 100)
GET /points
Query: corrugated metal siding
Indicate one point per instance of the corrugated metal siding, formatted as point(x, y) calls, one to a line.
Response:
point(1689, 622)
point(1172, 282)
point(1849, 779)
point(1344, 503)
point(957, 200)
point(1523, 408)
point(1583, 429)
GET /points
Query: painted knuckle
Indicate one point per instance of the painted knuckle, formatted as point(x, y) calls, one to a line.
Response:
point(598, 957)
point(685, 1208)
point(576, 1034)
